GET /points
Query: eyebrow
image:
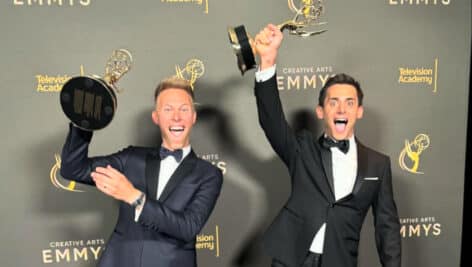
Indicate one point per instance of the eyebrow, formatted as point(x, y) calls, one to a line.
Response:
point(337, 98)
point(170, 105)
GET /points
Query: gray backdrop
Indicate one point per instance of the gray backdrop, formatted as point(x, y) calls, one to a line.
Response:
point(411, 57)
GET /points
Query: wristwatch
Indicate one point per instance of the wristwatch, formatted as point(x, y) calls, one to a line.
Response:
point(138, 200)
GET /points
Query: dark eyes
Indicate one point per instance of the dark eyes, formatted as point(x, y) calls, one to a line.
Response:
point(333, 103)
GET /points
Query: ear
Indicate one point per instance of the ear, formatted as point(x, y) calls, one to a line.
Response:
point(194, 119)
point(155, 118)
point(319, 112)
point(360, 112)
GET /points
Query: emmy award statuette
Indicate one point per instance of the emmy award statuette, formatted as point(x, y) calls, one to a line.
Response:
point(306, 22)
point(90, 101)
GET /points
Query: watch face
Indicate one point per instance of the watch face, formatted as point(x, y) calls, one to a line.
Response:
point(139, 201)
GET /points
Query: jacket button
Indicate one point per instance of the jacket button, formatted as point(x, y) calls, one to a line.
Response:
point(331, 205)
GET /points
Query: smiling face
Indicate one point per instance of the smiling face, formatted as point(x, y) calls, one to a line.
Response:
point(340, 111)
point(175, 115)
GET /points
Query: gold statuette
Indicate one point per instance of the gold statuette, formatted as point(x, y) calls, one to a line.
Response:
point(306, 22)
point(90, 101)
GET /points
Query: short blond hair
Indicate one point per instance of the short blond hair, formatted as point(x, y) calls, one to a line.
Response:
point(173, 82)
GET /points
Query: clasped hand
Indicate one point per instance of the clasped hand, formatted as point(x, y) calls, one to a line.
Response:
point(115, 184)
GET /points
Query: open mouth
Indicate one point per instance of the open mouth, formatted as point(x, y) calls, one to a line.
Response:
point(340, 124)
point(176, 130)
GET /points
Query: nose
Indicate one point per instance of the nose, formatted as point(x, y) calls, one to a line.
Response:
point(176, 115)
point(341, 109)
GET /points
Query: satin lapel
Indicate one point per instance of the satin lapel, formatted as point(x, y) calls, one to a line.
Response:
point(153, 163)
point(324, 183)
point(362, 164)
point(328, 167)
point(187, 165)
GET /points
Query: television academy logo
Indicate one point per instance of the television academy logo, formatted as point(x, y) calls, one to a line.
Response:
point(420, 75)
point(210, 241)
point(53, 83)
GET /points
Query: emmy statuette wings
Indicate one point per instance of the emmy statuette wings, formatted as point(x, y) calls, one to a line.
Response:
point(306, 22)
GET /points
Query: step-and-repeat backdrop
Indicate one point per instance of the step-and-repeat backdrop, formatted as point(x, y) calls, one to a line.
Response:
point(411, 57)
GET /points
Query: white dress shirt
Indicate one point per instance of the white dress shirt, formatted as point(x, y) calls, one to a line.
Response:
point(344, 177)
point(167, 168)
point(264, 75)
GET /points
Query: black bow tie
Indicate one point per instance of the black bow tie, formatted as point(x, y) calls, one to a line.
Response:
point(328, 143)
point(177, 154)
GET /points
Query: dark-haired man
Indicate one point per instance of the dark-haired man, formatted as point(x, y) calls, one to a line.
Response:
point(335, 179)
point(166, 193)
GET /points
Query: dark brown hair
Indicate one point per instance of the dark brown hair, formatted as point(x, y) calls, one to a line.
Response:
point(341, 78)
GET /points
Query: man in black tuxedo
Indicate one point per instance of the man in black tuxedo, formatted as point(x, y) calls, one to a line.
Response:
point(166, 193)
point(335, 179)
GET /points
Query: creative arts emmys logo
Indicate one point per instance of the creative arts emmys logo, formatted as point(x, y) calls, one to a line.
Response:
point(210, 242)
point(420, 227)
point(409, 158)
point(216, 160)
point(420, 75)
point(52, 84)
point(51, 3)
point(73, 251)
point(303, 78)
point(71, 186)
point(193, 70)
point(198, 2)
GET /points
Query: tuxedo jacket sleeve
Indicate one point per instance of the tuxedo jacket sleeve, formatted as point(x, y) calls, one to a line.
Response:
point(184, 224)
point(386, 222)
point(183, 219)
point(272, 120)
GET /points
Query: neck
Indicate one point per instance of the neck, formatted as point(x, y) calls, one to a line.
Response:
point(175, 146)
point(335, 139)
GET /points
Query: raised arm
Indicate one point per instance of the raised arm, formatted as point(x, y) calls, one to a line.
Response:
point(269, 108)
point(75, 163)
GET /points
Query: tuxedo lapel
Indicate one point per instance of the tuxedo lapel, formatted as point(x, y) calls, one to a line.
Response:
point(323, 179)
point(328, 167)
point(361, 166)
point(153, 163)
point(187, 165)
